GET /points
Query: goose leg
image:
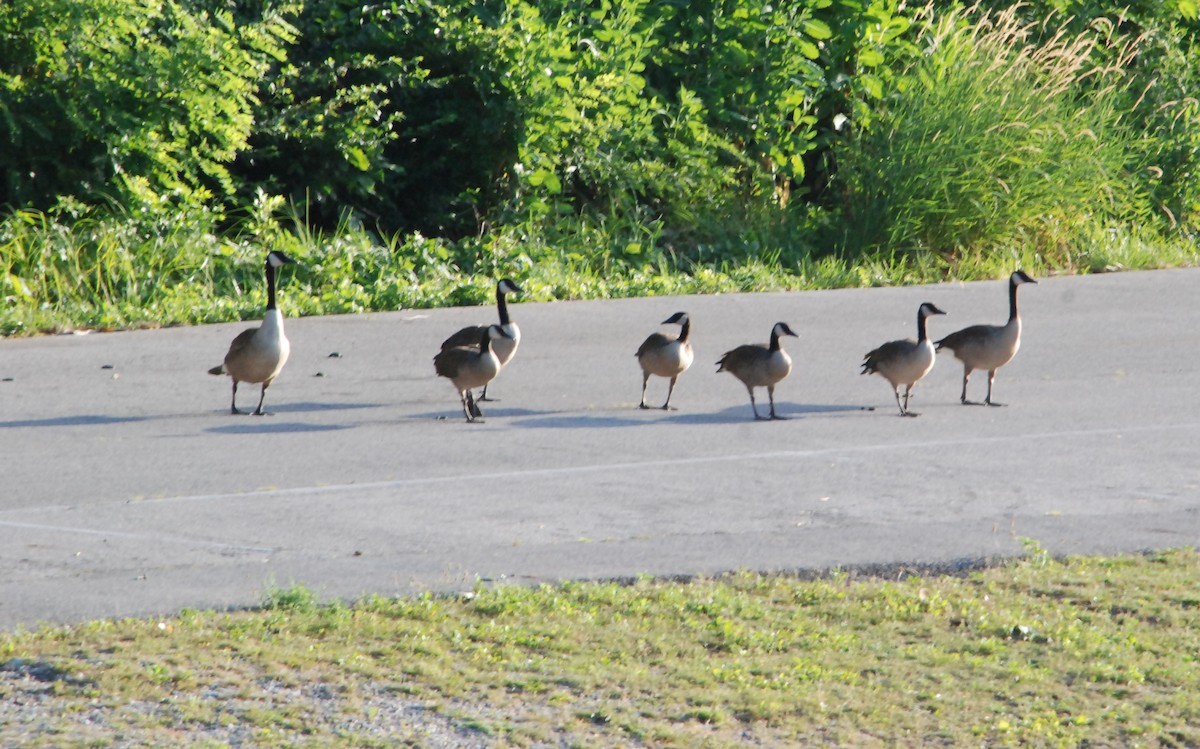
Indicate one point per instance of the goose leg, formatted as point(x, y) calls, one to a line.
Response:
point(467, 405)
point(991, 379)
point(474, 402)
point(902, 406)
point(670, 389)
point(483, 397)
point(753, 405)
point(907, 394)
point(233, 409)
point(963, 397)
point(645, 380)
point(261, 397)
point(771, 396)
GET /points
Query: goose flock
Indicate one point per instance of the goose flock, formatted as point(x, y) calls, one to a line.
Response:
point(472, 357)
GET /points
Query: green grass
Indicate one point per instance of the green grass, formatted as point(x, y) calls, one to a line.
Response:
point(1042, 652)
point(106, 273)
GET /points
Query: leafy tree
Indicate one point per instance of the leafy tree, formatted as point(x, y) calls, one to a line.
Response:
point(144, 102)
point(373, 114)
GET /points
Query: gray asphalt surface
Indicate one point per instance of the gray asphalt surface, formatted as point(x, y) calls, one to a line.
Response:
point(130, 490)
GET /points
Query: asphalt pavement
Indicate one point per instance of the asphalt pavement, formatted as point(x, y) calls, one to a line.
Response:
point(129, 490)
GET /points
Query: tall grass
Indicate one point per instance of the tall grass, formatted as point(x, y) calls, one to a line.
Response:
point(55, 268)
point(108, 274)
point(995, 141)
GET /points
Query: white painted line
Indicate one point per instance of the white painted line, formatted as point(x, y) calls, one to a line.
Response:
point(138, 536)
point(534, 473)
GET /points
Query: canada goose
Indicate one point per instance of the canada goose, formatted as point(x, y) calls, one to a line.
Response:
point(471, 367)
point(258, 354)
point(988, 346)
point(906, 361)
point(504, 347)
point(757, 365)
point(666, 357)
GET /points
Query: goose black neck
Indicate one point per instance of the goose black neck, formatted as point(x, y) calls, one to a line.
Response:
point(270, 285)
point(502, 305)
point(685, 331)
point(1012, 300)
point(774, 340)
point(922, 319)
point(485, 341)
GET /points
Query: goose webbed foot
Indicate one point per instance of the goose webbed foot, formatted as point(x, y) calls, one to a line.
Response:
point(966, 402)
point(771, 397)
point(262, 398)
point(913, 414)
point(754, 407)
point(989, 402)
point(643, 406)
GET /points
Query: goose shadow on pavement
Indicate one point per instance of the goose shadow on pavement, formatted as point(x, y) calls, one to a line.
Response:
point(646, 417)
point(316, 407)
point(456, 414)
point(93, 420)
point(742, 413)
point(268, 425)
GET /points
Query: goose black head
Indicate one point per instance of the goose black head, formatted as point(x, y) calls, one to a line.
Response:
point(781, 328)
point(508, 287)
point(678, 317)
point(276, 258)
point(489, 334)
point(1020, 276)
point(929, 308)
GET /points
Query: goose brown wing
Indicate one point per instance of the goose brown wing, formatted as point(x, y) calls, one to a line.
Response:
point(884, 353)
point(965, 336)
point(654, 341)
point(241, 342)
point(449, 362)
point(738, 359)
point(468, 337)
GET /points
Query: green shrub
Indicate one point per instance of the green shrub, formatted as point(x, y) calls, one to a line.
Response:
point(142, 102)
point(598, 147)
point(393, 113)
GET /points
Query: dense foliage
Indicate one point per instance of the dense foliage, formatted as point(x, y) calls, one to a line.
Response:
point(132, 102)
point(622, 141)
